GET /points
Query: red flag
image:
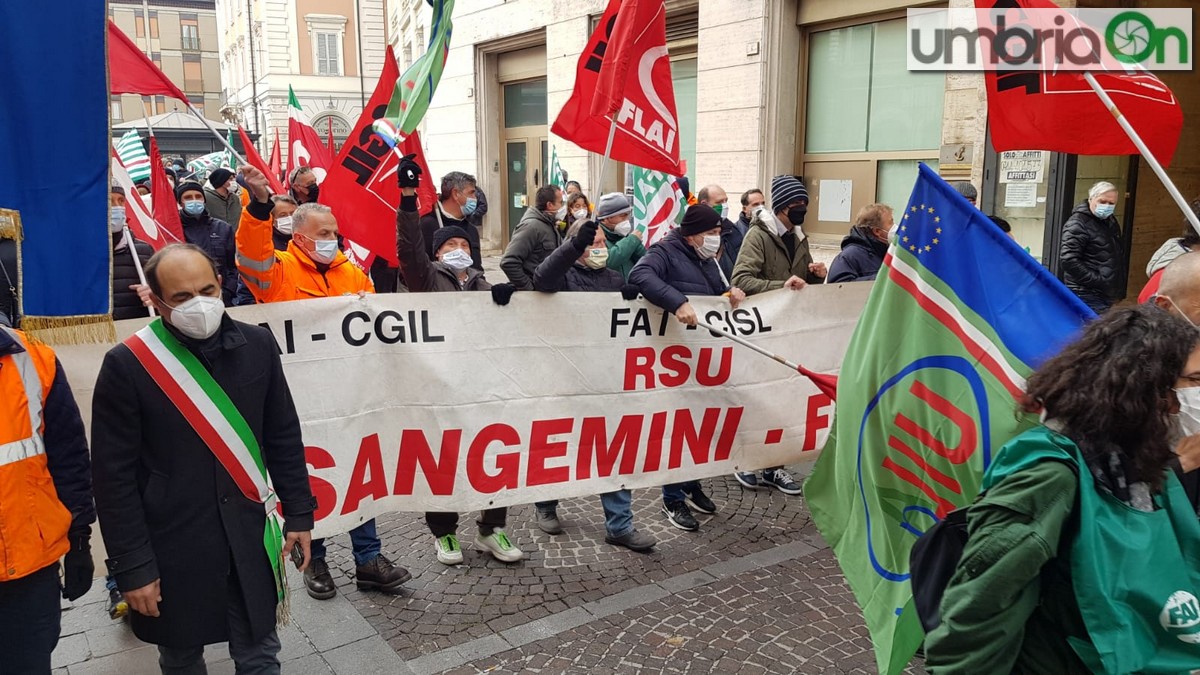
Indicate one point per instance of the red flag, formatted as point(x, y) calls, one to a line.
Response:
point(257, 162)
point(332, 151)
point(131, 72)
point(361, 186)
point(305, 147)
point(138, 217)
point(1058, 111)
point(626, 71)
point(165, 210)
point(276, 159)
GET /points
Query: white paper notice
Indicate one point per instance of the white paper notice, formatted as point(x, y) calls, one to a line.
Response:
point(833, 200)
point(1020, 195)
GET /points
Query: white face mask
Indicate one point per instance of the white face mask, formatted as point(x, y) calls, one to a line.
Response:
point(597, 258)
point(116, 219)
point(198, 318)
point(579, 214)
point(1189, 410)
point(561, 213)
point(457, 259)
point(284, 224)
point(712, 244)
point(624, 228)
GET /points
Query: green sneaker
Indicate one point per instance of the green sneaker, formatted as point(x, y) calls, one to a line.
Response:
point(501, 548)
point(448, 550)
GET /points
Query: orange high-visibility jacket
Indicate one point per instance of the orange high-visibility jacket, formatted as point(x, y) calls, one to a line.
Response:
point(33, 521)
point(277, 276)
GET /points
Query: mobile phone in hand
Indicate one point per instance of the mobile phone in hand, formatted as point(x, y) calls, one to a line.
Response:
point(298, 555)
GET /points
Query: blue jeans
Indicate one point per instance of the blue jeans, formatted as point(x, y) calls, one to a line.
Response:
point(363, 540)
point(675, 492)
point(618, 511)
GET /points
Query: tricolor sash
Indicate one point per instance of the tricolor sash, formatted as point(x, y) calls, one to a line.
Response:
point(213, 416)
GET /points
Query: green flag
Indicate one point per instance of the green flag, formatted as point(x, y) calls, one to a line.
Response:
point(555, 174)
point(927, 394)
point(230, 161)
point(414, 90)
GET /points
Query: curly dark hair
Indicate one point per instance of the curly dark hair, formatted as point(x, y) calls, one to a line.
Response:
point(1111, 388)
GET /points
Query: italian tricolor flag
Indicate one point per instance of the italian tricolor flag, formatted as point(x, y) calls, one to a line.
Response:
point(305, 147)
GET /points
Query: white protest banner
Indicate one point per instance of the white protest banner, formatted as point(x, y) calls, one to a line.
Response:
point(448, 402)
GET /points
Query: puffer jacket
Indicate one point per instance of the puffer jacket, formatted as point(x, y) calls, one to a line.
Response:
point(860, 259)
point(562, 272)
point(1092, 259)
point(216, 237)
point(671, 271)
point(420, 274)
point(1165, 255)
point(536, 237)
point(764, 264)
point(125, 302)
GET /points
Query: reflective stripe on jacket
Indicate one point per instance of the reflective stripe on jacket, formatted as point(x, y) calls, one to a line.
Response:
point(278, 276)
point(33, 521)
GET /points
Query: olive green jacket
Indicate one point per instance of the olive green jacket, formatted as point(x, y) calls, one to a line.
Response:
point(1010, 606)
point(763, 263)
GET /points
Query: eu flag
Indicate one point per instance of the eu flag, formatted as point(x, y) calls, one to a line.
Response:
point(958, 318)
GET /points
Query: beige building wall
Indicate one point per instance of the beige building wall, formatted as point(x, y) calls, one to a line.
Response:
point(168, 46)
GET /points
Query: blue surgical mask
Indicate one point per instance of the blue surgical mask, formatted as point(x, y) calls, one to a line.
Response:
point(469, 207)
point(1103, 211)
point(194, 208)
point(116, 219)
point(325, 250)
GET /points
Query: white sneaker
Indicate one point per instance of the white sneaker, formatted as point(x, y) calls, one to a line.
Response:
point(501, 547)
point(448, 550)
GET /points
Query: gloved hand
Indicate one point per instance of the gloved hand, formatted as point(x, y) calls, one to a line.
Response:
point(78, 568)
point(630, 292)
point(408, 175)
point(586, 235)
point(502, 293)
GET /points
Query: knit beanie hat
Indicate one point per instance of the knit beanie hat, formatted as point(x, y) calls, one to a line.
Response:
point(185, 187)
point(785, 190)
point(613, 204)
point(219, 177)
point(699, 218)
point(445, 234)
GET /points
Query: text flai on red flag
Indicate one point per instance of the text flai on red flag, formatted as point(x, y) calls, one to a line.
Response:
point(623, 79)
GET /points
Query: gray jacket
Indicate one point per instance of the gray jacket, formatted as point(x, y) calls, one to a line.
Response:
point(536, 237)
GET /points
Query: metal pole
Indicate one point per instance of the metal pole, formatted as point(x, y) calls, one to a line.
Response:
point(224, 141)
point(253, 74)
point(612, 132)
point(749, 345)
point(1141, 146)
point(362, 84)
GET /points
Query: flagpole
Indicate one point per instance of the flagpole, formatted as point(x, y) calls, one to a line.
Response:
point(1141, 146)
point(137, 262)
point(612, 132)
point(224, 142)
point(749, 345)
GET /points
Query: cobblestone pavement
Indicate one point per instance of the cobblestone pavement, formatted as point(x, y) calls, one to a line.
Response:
point(754, 591)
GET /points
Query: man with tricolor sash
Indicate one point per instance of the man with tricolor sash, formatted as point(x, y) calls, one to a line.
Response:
point(197, 451)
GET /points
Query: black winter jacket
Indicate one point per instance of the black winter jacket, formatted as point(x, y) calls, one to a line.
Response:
point(420, 274)
point(431, 224)
point(9, 283)
point(216, 238)
point(125, 302)
point(1092, 258)
point(561, 271)
point(169, 510)
point(860, 259)
point(671, 270)
point(536, 237)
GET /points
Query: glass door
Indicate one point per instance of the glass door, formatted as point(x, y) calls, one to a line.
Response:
point(517, 182)
point(525, 145)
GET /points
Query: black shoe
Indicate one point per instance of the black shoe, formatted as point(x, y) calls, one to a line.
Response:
point(634, 541)
point(748, 480)
point(700, 501)
point(680, 516)
point(782, 480)
point(318, 581)
point(380, 575)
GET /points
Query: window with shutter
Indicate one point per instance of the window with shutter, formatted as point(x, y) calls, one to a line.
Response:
point(328, 54)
